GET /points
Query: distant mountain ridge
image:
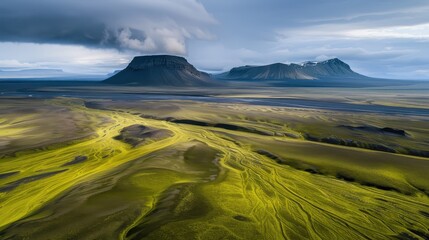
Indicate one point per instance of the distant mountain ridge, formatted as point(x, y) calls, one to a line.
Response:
point(47, 74)
point(175, 71)
point(332, 68)
point(160, 70)
point(25, 73)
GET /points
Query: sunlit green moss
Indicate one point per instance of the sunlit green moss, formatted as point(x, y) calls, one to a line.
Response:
point(209, 183)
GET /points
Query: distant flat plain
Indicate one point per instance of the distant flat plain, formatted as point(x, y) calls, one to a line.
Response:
point(83, 160)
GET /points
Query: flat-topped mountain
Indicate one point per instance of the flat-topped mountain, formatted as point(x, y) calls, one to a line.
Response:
point(160, 70)
point(329, 69)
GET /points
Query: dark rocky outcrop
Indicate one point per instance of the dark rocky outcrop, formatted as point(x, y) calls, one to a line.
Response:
point(349, 143)
point(333, 68)
point(76, 160)
point(220, 125)
point(12, 185)
point(136, 135)
point(160, 70)
point(373, 129)
point(8, 174)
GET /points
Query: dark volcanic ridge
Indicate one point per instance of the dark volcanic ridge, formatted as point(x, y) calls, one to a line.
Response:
point(373, 129)
point(160, 70)
point(329, 69)
point(136, 135)
point(174, 71)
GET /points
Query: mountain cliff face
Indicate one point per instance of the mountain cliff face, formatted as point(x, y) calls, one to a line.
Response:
point(333, 68)
point(160, 70)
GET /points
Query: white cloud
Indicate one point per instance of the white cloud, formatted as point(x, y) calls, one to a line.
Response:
point(422, 72)
point(127, 41)
point(70, 58)
point(218, 57)
point(15, 64)
point(174, 45)
point(323, 57)
point(420, 31)
point(353, 32)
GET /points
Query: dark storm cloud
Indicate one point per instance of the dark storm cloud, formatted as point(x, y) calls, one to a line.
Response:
point(144, 25)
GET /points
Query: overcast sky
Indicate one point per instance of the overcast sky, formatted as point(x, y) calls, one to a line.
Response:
point(383, 38)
